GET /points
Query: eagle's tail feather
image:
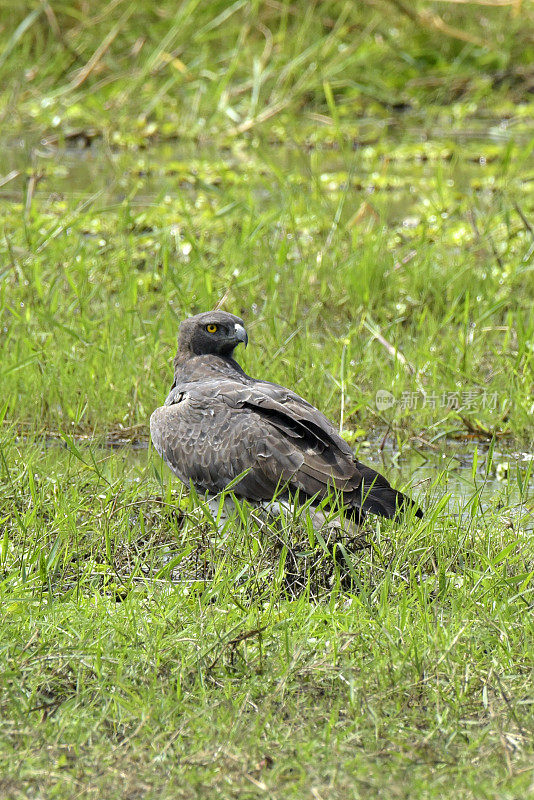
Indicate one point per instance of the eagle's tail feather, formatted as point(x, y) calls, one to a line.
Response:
point(375, 495)
point(388, 503)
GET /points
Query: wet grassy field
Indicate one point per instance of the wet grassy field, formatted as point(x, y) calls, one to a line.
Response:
point(356, 181)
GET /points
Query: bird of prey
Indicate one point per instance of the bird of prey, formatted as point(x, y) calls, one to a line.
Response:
point(218, 423)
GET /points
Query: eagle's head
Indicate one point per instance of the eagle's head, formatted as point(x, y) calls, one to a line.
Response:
point(211, 333)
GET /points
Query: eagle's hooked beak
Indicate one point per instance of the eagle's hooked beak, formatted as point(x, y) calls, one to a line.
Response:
point(240, 334)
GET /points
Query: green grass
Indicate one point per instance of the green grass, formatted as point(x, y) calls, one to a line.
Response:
point(355, 180)
point(402, 672)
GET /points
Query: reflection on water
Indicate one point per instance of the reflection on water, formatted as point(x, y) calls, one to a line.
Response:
point(450, 471)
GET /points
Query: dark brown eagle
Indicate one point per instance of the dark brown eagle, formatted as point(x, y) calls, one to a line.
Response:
point(218, 422)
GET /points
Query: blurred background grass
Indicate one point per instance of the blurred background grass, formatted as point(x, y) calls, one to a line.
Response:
point(132, 72)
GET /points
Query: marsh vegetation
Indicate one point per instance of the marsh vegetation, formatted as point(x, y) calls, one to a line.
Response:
point(355, 181)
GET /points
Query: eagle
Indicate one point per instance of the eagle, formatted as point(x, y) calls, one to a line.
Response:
point(219, 427)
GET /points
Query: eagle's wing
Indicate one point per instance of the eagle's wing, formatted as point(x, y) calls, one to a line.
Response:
point(328, 459)
point(210, 432)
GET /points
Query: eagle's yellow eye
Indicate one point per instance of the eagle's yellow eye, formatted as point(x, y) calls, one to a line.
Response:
point(211, 328)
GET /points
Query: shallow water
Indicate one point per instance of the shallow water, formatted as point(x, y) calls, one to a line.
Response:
point(451, 471)
point(401, 165)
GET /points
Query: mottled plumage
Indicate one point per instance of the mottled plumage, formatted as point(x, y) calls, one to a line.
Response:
point(217, 422)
